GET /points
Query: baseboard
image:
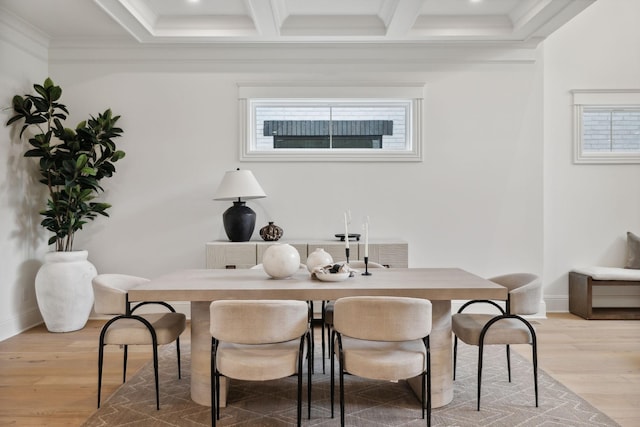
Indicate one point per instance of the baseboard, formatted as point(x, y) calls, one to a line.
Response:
point(557, 303)
point(15, 325)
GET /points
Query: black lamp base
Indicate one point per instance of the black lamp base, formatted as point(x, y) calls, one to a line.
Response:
point(239, 221)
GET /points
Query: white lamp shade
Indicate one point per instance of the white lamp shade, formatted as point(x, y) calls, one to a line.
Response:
point(239, 184)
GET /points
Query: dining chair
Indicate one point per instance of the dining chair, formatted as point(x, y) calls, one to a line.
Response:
point(127, 328)
point(506, 328)
point(259, 340)
point(382, 338)
point(302, 267)
point(327, 309)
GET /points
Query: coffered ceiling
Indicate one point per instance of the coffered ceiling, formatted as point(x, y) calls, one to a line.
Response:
point(524, 22)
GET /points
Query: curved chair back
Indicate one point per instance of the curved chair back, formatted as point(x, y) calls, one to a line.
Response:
point(525, 292)
point(383, 318)
point(110, 292)
point(258, 321)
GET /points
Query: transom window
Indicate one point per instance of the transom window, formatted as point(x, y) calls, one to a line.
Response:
point(321, 128)
point(607, 126)
point(610, 130)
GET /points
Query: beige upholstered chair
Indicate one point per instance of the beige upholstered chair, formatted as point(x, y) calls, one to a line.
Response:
point(258, 340)
point(126, 328)
point(382, 338)
point(310, 305)
point(327, 309)
point(525, 292)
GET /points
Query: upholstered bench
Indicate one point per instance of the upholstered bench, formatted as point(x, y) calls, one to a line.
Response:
point(582, 282)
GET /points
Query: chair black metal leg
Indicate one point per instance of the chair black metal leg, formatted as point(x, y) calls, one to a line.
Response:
point(312, 365)
point(217, 395)
point(341, 394)
point(509, 362)
point(212, 386)
point(299, 396)
point(214, 378)
point(322, 327)
point(300, 354)
point(332, 382)
point(309, 376)
point(178, 355)
point(480, 347)
point(100, 361)
point(101, 345)
point(534, 349)
point(428, 383)
point(329, 341)
point(424, 386)
point(455, 355)
point(124, 364)
point(155, 372)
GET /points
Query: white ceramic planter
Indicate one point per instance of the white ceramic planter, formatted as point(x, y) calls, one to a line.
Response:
point(63, 290)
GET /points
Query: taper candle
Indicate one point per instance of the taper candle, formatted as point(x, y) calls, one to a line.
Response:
point(346, 230)
point(366, 238)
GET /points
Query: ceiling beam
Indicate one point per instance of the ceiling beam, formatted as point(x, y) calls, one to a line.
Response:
point(400, 16)
point(265, 17)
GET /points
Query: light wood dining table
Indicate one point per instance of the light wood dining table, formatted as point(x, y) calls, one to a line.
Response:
point(439, 285)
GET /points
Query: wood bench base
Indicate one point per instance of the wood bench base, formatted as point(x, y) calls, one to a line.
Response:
point(581, 299)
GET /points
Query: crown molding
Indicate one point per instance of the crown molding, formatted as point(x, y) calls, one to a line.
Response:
point(17, 32)
point(372, 56)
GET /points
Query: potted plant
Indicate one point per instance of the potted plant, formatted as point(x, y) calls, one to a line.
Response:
point(72, 163)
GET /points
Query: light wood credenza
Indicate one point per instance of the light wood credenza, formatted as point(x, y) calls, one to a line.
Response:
point(224, 254)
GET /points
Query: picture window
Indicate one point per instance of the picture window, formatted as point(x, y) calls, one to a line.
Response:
point(319, 128)
point(607, 126)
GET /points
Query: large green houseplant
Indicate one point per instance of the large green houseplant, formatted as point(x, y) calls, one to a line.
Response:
point(72, 163)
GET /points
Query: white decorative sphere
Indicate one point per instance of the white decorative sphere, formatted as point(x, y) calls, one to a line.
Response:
point(318, 258)
point(281, 260)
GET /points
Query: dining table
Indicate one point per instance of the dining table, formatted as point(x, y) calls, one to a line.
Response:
point(202, 286)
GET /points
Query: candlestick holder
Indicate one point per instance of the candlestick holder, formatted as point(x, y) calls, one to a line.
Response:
point(346, 252)
point(366, 267)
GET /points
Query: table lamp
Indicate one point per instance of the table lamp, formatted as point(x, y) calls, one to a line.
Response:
point(239, 220)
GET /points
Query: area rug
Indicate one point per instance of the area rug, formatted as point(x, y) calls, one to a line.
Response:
point(368, 403)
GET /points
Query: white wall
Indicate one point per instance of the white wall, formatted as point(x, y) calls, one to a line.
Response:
point(588, 208)
point(23, 60)
point(475, 202)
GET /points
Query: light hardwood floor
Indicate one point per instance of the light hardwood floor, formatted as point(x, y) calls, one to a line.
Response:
point(50, 379)
point(597, 359)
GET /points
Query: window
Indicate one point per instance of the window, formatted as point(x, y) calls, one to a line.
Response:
point(336, 123)
point(607, 126)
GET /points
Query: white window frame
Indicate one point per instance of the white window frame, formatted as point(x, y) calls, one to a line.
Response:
point(606, 100)
point(247, 92)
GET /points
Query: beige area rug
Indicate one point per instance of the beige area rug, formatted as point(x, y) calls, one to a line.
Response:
point(368, 403)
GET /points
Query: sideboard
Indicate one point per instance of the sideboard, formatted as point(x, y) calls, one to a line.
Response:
point(225, 254)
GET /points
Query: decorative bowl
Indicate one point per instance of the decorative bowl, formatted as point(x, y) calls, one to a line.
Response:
point(332, 277)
